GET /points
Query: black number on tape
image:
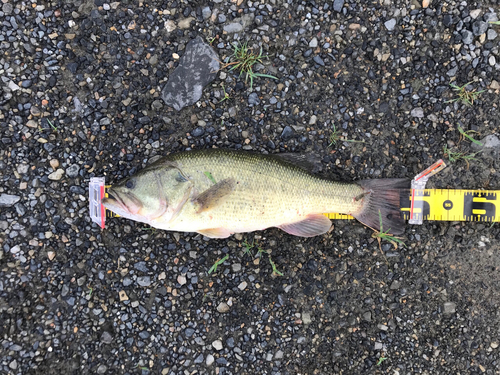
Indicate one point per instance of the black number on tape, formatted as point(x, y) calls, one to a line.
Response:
point(471, 206)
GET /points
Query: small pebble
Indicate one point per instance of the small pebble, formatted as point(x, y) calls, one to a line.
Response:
point(8, 200)
point(313, 43)
point(479, 27)
point(253, 99)
point(223, 307)
point(185, 23)
point(475, 13)
point(54, 163)
point(338, 5)
point(57, 175)
point(210, 359)
point(123, 296)
point(144, 280)
point(467, 36)
point(106, 337)
point(450, 307)
point(492, 34)
point(217, 344)
point(390, 24)
point(382, 327)
point(306, 318)
point(72, 171)
point(417, 112)
point(181, 279)
point(318, 60)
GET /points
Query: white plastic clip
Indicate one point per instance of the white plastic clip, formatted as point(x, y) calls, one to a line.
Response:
point(96, 194)
point(418, 183)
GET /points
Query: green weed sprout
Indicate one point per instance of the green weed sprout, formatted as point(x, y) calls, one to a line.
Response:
point(466, 135)
point(464, 95)
point(243, 59)
point(336, 136)
point(275, 270)
point(248, 247)
point(248, 250)
point(381, 235)
point(54, 129)
point(217, 263)
point(226, 95)
point(454, 156)
point(380, 360)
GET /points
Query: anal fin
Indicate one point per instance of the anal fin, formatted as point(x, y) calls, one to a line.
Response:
point(312, 225)
point(215, 232)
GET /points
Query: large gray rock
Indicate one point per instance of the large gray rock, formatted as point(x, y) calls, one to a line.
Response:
point(490, 141)
point(197, 68)
point(489, 147)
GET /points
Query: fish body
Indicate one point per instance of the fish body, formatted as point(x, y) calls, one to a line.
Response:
point(220, 192)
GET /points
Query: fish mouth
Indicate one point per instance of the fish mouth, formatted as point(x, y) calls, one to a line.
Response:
point(122, 203)
point(113, 201)
point(111, 196)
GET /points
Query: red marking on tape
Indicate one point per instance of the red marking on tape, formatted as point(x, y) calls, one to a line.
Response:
point(437, 165)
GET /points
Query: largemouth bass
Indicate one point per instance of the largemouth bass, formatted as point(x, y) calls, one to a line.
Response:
point(220, 192)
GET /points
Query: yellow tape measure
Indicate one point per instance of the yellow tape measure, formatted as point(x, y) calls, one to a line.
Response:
point(448, 205)
point(457, 205)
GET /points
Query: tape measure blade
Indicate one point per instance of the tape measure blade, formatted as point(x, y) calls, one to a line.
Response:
point(457, 205)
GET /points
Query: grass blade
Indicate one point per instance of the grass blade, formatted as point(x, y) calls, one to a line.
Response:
point(464, 133)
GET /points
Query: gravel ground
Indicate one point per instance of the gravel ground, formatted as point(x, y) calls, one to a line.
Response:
point(81, 97)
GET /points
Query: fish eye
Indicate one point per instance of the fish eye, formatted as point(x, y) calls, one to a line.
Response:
point(130, 184)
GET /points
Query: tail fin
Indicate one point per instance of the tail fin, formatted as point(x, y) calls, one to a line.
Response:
point(383, 195)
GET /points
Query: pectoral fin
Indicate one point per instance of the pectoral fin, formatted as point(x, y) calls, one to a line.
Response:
point(312, 225)
point(215, 232)
point(214, 195)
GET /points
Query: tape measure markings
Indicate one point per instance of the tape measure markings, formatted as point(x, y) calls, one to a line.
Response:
point(454, 205)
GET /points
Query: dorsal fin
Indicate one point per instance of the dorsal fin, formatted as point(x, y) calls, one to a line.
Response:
point(309, 162)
